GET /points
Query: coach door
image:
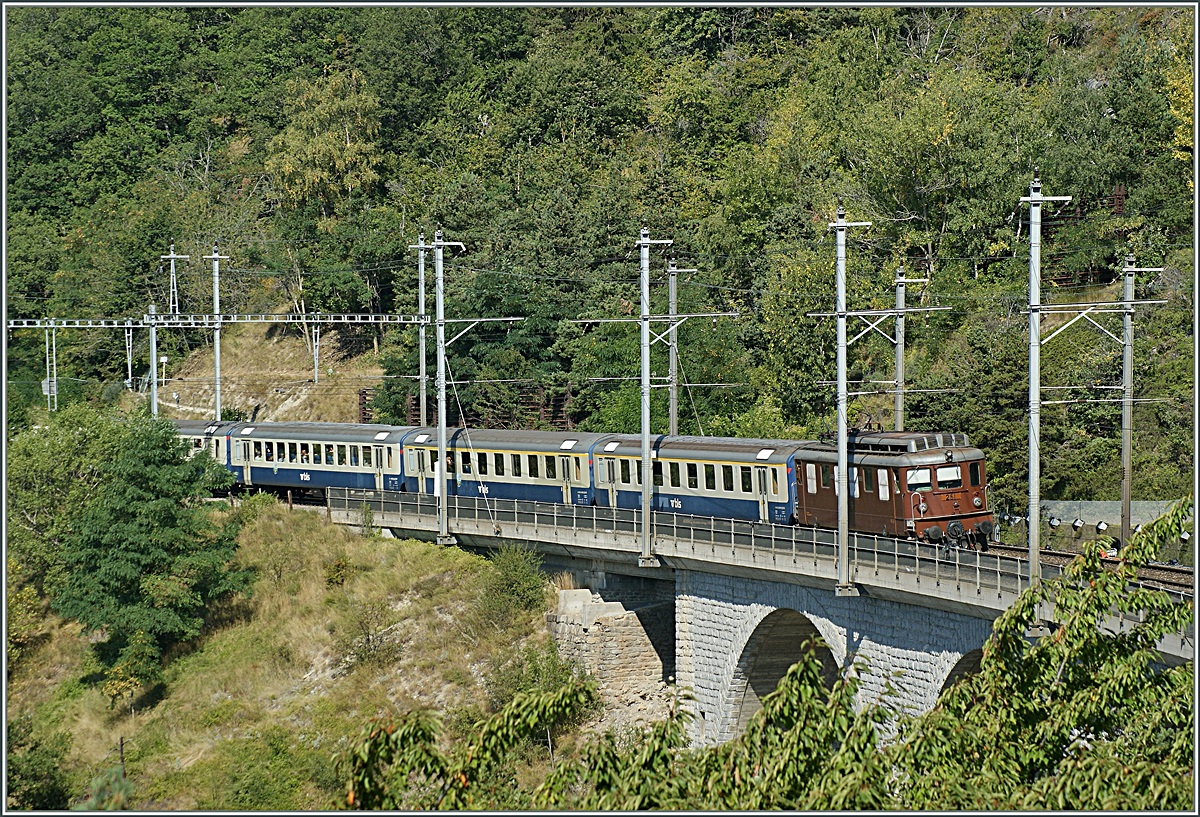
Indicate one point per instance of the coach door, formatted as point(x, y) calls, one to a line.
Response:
point(378, 462)
point(761, 485)
point(246, 463)
point(564, 472)
point(422, 468)
point(606, 479)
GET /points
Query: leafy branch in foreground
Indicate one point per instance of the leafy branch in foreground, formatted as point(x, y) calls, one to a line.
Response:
point(396, 763)
point(1081, 718)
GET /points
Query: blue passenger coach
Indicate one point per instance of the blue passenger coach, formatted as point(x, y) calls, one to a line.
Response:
point(539, 466)
point(304, 456)
point(704, 476)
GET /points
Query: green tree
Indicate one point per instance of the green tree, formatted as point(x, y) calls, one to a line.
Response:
point(35, 778)
point(54, 472)
point(327, 152)
point(144, 556)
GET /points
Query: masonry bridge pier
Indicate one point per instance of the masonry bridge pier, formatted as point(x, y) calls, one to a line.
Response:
point(726, 611)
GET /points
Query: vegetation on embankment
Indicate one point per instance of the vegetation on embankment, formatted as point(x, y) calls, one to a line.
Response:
point(339, 628)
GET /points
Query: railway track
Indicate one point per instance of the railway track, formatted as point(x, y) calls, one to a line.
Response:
point(1170, 577)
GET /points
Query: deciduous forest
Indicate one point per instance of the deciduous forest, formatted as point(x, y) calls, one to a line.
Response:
point(313, 145)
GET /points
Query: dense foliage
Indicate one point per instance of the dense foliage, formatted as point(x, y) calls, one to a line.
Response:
point(125, 547)
point(312, 145)
point(1079, 719)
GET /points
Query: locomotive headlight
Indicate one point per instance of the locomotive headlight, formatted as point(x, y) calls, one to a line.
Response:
point(977, 502)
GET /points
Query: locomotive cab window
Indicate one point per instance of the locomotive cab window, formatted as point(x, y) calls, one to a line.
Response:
point(976, 478)
point(868, 478)
point(949, 476)
point(810, 477)
point(918, 479)
point(826, 476)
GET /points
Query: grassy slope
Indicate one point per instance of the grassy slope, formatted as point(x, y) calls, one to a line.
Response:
point(271, 368)
point(251, 718)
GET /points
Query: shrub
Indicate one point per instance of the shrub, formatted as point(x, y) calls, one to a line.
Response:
point(514, 585)
point(35, 779)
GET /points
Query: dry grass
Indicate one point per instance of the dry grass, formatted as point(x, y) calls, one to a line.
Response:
point(259, 707)
point(267, 372)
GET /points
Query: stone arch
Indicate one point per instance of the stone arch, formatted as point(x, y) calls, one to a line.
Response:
point(967, 665)
point(771, 649)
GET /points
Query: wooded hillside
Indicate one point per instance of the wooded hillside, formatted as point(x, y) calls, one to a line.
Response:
point(312, 145)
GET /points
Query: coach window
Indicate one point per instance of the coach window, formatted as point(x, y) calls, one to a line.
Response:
point(329, 454)
point(774, 482)
point(658, 474)
point(258, 455)
point(291, 452)
point(481, 461)
point(578, 468)
point(693, 476)
point(341, 455)
point(533, 466)
point(727, 477)
point(975, 476)
point(625, 472)
point(366, 456)
point(551, 468)
point(389, 457)
point(354, 456)
point(674, 474)
point(498, 460)
point(710, 476)
point(466, 462)
point(747, 483)
point(516, 465)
